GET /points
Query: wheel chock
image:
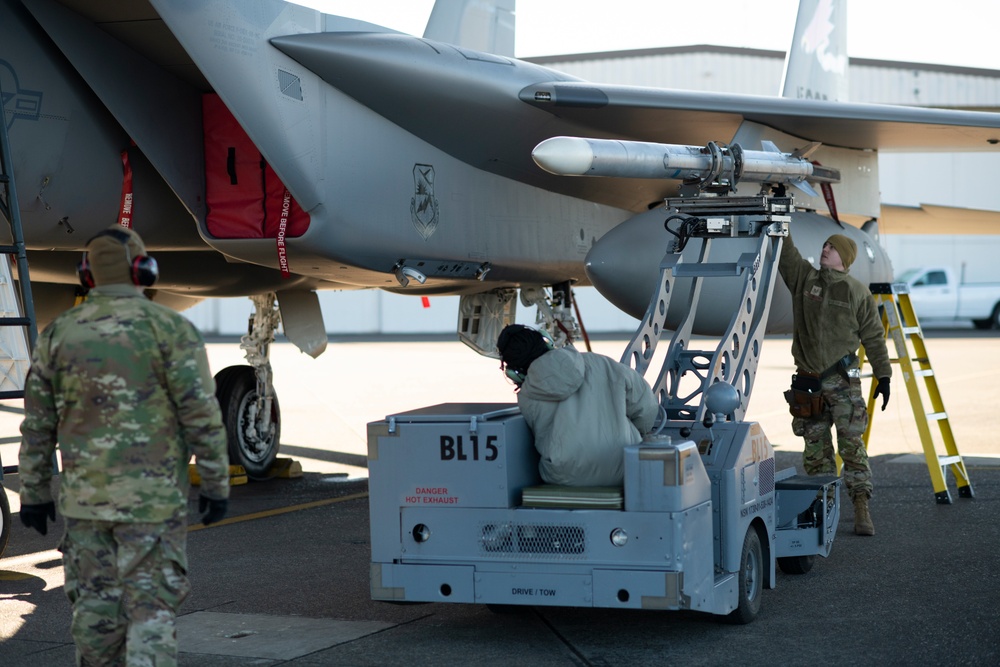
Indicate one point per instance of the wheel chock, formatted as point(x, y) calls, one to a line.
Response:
point(285, 468)
point(237, 475)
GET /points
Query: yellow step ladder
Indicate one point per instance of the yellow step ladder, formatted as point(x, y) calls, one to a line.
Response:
point(900, 323)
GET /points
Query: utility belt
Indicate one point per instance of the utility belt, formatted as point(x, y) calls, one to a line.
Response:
point(805, 398)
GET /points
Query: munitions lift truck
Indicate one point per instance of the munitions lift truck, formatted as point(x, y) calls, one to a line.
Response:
point(459, 513)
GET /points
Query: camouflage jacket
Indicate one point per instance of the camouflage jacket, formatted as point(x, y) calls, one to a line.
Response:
point(834, 314)
point(123, 385)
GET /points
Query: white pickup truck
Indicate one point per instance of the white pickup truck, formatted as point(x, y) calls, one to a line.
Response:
point(937, 294)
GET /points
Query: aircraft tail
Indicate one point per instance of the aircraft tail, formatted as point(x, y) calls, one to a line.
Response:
point(816, 65)
point(483, 25)
point(816, 68)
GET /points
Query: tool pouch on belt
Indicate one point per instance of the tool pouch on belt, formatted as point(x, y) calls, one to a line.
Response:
point(804, 397)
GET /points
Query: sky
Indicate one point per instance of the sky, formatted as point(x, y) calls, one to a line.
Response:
point(945, 32)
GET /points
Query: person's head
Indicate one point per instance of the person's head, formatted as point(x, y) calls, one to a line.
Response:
point(519, 346)
point(838, 253)
point(117, 255)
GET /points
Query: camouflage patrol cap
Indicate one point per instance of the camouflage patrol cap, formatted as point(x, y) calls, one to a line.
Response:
point(111, 253)
point(846, 248)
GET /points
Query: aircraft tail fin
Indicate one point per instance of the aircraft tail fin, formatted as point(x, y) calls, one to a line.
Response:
point(816, 65)
point(816, 68)
point(483, 25)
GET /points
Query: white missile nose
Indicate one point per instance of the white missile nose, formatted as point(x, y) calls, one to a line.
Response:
point(564, 156)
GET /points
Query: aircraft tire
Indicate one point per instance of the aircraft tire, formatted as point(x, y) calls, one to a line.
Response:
point(751, 580)
point(796, 564)
point(4, 520)
point(236, 389)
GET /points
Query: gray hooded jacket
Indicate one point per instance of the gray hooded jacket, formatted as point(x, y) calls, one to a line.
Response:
point(583, 409)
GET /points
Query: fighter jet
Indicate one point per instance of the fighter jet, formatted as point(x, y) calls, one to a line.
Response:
point(265, 149)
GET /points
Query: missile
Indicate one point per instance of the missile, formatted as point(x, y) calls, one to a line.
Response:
point(711, 164)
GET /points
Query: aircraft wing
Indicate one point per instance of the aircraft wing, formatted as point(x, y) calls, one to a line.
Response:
point(671, 113)
point(490, 111)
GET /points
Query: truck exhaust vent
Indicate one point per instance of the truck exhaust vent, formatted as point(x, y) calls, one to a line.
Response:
point(765, 472)
point(532, 539)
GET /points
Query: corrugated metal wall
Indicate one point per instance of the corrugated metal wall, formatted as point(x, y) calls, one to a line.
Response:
point(757, 72)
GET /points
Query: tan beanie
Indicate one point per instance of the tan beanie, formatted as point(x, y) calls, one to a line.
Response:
point(846, 248)
point(111, 253)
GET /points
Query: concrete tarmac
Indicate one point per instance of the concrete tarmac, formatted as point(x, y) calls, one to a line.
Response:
point(284, 579)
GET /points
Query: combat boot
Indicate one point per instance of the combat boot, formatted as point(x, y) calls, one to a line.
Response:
point(862, 517)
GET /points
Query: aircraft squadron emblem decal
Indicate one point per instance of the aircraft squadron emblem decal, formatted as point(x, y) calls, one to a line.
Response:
point(17, 102)
point(424, 205)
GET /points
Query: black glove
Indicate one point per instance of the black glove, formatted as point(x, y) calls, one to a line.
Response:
point(33, 516)
point(883, 389)
point(216, 509)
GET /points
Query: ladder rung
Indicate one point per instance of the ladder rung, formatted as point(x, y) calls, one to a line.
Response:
point(5, 395)
point(708, 270)
point(9, 249)
point(899, 301)
point(14, 321)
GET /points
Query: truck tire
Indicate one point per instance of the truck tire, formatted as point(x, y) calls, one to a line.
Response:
point(991, 322)
point(751, 580)
point(796, 564)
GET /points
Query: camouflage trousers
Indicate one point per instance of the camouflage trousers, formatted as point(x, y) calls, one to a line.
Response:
point(125, 582)
point(846, 410)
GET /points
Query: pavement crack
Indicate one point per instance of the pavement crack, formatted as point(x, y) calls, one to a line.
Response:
point(579, 658)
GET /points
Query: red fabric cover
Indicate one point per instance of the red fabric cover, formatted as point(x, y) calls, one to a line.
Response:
point(243, 193)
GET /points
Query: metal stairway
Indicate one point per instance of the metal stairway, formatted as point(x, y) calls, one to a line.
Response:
point(17, 310)
point(18, 329)
point(901, 324)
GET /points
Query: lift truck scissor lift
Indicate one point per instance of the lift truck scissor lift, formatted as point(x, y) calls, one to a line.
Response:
point(459, 513)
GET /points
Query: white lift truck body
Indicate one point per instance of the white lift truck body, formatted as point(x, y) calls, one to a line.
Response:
point(460, 514)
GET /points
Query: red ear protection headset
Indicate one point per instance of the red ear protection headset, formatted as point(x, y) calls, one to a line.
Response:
point(144, 270)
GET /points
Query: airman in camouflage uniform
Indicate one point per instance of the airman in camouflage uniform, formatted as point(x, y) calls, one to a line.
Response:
point(833, 315)
point(123, 386)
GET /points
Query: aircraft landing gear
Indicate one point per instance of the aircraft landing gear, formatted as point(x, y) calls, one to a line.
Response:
point(555, 313)
point(246, 395)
